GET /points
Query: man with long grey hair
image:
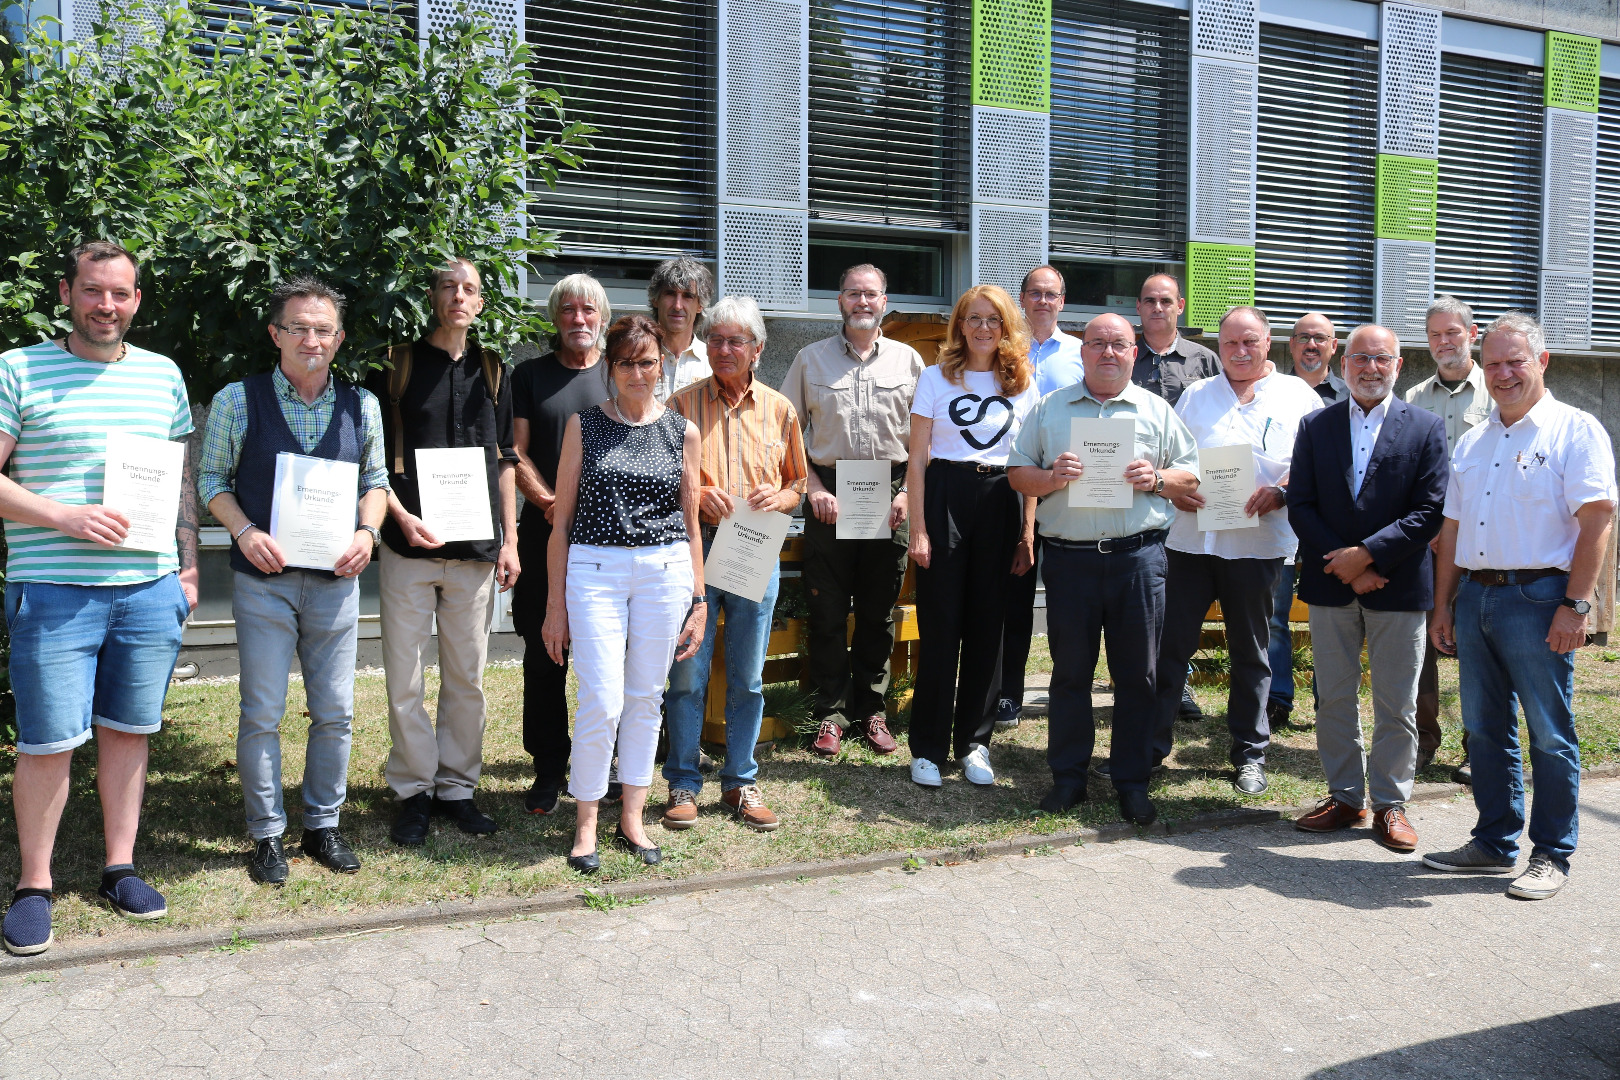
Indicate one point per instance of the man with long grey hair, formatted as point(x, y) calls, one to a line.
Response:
point(677, 294)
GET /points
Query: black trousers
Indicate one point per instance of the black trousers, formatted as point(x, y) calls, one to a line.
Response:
point(545, 684)
point(1018, 629)
point(1247, 589)
point(1086, 594)
point(973, 525)
point(849, 675)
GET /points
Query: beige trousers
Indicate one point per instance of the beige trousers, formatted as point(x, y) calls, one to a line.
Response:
point(444, 760)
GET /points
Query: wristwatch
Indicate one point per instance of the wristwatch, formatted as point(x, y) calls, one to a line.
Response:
point(1158, 482)
point(376, 534)
point(1580, 607)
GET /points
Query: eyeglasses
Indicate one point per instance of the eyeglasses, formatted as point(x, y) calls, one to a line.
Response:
point(1313, 339)
point(627, 366)
point(868, 295)
point(322, 333)
point(1379, 359)
point(1121, 347)
point(733, 343)
point(1047, 297)
point(979, 322)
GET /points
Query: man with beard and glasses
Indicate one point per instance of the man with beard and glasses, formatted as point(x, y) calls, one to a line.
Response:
point(95, 627)
point(1365, 492)
point(852, 393)
point(1456, 393)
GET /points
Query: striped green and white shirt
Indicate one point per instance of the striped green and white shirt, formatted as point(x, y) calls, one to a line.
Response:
point(59, 408)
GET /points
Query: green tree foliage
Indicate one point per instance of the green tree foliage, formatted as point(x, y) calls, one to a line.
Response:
point(335, 146)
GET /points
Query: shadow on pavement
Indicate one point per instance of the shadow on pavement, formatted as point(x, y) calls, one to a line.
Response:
point(1580, 1045)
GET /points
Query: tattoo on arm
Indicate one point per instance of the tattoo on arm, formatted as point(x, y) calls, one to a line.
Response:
point(185, 526)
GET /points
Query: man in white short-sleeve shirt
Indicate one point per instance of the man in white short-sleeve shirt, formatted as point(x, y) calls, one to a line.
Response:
point(1527, 515)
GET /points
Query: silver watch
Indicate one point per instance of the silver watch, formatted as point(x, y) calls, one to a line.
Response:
point(376, 535)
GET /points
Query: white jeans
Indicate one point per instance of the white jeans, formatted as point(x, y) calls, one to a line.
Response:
point(625, 610)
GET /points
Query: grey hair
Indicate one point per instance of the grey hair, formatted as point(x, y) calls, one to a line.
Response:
point(680, 275)
point(1243, 309)
point(1374, 326)
point(1446, 304)
point(305, 287)
point(736, 311)
point(578, 287)
point(1518, 322)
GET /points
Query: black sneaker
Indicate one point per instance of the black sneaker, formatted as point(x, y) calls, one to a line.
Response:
point(269, 863)
point(327, 847)
point(411, 824)
point(466, 815)
point(1279, 714)
point(1007, 711)
point(1188, 709)
point(542, 797)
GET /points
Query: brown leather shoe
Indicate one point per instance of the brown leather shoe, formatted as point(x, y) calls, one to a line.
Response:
point(829, 740)
point(1391, 829)
point(1331, 815)
point(877, 733)
point(681, 813)
point(749, 806)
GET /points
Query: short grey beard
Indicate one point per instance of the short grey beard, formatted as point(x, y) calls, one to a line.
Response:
point(854, 321)
point(313, 364)
point(1305, 366)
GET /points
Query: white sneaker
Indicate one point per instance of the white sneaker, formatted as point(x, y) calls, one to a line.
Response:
point(1541, 879)
point(924, 772)
point(976, 766)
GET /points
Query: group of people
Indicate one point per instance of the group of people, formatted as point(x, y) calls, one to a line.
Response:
point(632, 441)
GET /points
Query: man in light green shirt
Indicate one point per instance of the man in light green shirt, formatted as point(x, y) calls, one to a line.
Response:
point(1104, 567)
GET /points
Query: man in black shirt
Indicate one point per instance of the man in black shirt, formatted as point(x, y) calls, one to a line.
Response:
point(546, 391)
point(1166, 362)
point(438, 396)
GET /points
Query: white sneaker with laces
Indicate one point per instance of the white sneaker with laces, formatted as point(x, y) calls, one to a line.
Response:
point(1540, 880)
point(976, 766)
point(924, 772)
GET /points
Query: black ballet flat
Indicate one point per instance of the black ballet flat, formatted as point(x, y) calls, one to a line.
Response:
point(652, 856)
point(585, 864)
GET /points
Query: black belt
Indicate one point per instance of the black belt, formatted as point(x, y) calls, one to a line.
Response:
point(972, 466)
point(1509, 577)
point(1110, 545)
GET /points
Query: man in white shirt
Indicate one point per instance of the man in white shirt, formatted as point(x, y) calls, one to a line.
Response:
point(1250, 403)
point(679, 291)
point(1527, 515)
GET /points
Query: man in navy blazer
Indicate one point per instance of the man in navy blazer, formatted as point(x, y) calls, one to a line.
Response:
point(1365, 494)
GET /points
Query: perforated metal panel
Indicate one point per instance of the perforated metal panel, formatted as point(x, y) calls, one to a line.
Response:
point(1011, 153)
point(1573, 64)
point(1569, 185)
point(1407, 190)
point(1219, 278)
point(1606, 246)
point(1409, 80)
point(1565, 307)
point(763, 255)
point(143, 21)
point(434, 15)
point(1225, 113)
point(1012, 54)
point(1007, 243)
point(1226, 29)
point(764, 92)
point(1404, 285)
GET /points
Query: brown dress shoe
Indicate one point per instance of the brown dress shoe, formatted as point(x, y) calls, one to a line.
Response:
point(749, 806)
point(877, 733)
point(1391, 829)
point(681, 813)
point(1331, 815)
point(829, 740)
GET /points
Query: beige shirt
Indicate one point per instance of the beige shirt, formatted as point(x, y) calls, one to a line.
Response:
point(852, 408)
point(1464, 408)
point(681, 371)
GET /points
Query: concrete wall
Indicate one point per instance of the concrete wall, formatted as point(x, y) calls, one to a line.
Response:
point(1595, 18)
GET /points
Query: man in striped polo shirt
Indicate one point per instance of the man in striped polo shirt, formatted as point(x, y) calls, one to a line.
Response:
point(95, 627)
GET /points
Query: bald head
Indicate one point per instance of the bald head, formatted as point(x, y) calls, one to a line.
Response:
point(1108, 350)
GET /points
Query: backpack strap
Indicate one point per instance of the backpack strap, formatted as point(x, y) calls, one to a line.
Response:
point(399, 377)
point(493, 371)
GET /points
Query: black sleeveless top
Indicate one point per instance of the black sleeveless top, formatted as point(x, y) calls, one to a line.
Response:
point(629, 481)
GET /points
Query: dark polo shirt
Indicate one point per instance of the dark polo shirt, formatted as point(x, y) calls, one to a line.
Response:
point(1172, 372)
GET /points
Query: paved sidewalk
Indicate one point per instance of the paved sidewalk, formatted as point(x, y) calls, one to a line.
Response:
point(1240, 953)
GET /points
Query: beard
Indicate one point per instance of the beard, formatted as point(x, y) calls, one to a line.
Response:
point(1452, 361)
point(1311, 365)
point(861, 322)
point(97, 333)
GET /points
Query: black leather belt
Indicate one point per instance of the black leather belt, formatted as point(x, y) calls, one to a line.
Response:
point(972, 466)
point(1510, 577)
point(1110, 545)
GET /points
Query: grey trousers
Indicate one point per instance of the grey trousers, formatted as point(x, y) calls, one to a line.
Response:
point(1395, 641)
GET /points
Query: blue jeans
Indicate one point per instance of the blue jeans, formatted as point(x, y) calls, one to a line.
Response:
point(317, 618)
point(748, 631)
point(1502, 651)
point(1281, 650)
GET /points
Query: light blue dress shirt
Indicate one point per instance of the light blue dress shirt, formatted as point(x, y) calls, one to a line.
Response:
point(1056, 361)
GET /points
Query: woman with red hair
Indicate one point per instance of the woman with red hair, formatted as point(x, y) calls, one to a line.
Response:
point(967, 528)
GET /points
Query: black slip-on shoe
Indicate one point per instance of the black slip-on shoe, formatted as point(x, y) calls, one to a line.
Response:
point(1136, 808)
point(1063, 796)
point(466, 815)
point(411, 822)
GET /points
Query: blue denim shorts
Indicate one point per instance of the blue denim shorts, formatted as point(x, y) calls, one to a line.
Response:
point(91, 654)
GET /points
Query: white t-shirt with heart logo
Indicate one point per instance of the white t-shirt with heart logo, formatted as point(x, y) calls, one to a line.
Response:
point(974, 421)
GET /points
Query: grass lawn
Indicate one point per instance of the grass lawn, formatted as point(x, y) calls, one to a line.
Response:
point(194, 849)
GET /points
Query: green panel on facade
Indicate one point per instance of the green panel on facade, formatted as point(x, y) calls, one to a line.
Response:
point(1573, 64)
point(1012, 54)
point(1407, 191)
point(1219, 278)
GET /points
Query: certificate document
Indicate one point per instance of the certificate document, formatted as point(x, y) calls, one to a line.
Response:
point(1225, 480)
point(143, 484)
point(863, 500)
point(1104, 448)
point(316, 509)
point(745, 552)
point(454, 486)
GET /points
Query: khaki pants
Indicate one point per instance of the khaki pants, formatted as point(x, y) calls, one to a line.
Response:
point(444, 762)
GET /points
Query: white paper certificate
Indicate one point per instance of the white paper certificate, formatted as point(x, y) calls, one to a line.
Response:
point(1104, 448)
point(745, 552)
point(315, 512)
point(863, 500)
point(1225, 480)
point(143, 484)
point(454, 485)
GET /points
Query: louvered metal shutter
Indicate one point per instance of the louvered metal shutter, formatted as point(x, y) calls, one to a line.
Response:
point(1488, 233)
point(641, 73)
point(1315, 192)
point(221, 13)
point(1119, 130)
point(1606, 262)
point(889, 115)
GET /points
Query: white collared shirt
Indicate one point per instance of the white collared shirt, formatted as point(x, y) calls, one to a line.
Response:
point(1056, 361)
point(1514, 490)
point(684, 370)
point(1269, 423)
point(1364, 429)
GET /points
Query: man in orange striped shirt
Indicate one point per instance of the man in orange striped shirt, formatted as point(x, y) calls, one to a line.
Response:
point(752, 455)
